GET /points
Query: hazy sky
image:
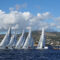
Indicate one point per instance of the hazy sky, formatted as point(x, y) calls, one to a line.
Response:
point(20, 14)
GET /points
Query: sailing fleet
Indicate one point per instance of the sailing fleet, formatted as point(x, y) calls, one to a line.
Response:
point(10, 41)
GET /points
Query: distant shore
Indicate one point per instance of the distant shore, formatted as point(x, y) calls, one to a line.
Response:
point(52, 38)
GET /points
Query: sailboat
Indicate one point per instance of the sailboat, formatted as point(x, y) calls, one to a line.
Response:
point(29, 41)
point(6, 39)
point(21, 41)
point(12, 42)
point(41, 44)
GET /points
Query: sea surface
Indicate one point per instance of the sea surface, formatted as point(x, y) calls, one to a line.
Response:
point(29, 54)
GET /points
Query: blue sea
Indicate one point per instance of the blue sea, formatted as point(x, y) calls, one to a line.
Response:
point(29, 54)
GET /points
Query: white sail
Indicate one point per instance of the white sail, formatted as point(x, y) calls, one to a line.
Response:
point(21, 41)
point(29, 41)
point(6, 39)
point(12, 42)
point(41, 43)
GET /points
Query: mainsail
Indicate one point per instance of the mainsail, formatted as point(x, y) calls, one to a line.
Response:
point(41, 43)
point(29, 41)
point(12, 42)
point(6, 39)
point(21, 41)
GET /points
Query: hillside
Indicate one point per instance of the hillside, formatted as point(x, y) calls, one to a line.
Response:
point(52, 38)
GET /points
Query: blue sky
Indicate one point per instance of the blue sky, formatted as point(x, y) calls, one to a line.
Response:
point(34, 7)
